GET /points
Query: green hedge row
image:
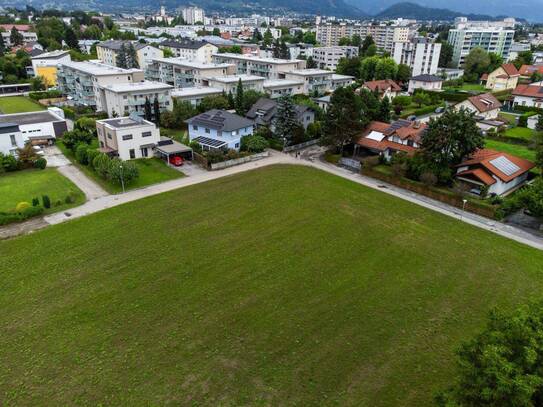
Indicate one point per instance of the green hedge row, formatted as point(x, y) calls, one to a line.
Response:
point(27, 213)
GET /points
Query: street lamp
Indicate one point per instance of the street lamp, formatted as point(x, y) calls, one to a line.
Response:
point(464, 202)
point(122, 178)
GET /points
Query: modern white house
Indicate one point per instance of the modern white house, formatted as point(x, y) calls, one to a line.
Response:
point(37, 127)
point(484, 106)
point(528, 95)
point(497, 172)
point(229, 83)
point(193, 50)
point(425, 82)
point(195, 94)
point(219, 129)
point(127, 137)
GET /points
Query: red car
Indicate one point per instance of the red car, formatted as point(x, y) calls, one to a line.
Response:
point(176, 160)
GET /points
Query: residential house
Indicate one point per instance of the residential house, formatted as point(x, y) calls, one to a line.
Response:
point(229, 83)
point(108, 52)
point(425, 82)
point(323, 102)
point(195, 94)
point(339, 81)
point(387, 139)
point(280, 87)
point(526, 71)
point(528, 95)
point(384, 87)
point(193, 50)
point(127, 137)
point(484, 106)
point(496, 172)
point(316, 81)
point(122, 99)
point(219, 129)
point(36, 127)
point(502, 78)
point(28, 36)
point(46, 65)
point(264, 113)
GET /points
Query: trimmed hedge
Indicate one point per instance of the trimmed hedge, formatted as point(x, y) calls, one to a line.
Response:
point(49, 94)
point(27, 213)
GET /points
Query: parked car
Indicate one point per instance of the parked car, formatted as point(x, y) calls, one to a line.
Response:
point(38, 150)
point(176, 160)
point(412, 118)
point(440, 110)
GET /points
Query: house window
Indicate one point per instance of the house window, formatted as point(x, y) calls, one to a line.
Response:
point(146, 134)
point(237, 145)
point(144, 152)
point(13, 141)
point(127, 137)
point(109, 136)
point(194, 127)
point(132, 153)
point(208, 131)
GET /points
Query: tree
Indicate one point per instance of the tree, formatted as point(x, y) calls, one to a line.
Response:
point(122, 58)
point(310, 38)
point(446, 55)
point(523, 58)
point(311, 63)
point(367, 68)
point(384, 110)
point(254, 143)
point(372, 51)
point(343, 119)
point(286, 120)
point(15, 37)
point(131, 57)
point(217, 32)
point(239, 98)
point(502, 366)
point(368, 41)
point(451, 137)
point(495, 61)
point(344, 41)
point(349, 66)
point(268, 38)
point(213, 102)
point(421, 98)
point(71, 39)
point(2, 46)
point(356, 41)
point(386, 68)
point(538, 138)
point(74, 137)
point(403, 73)
point(476, 63)
point(147, 112)
point(156, 109)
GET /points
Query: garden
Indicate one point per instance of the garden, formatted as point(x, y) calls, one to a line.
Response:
point(18, 104)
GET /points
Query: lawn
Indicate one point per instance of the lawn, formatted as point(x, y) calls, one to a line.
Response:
point(508, 117)
point(24, 185)
point(279, 286)
point(523, 133)
point(18, 104)
point(151, 171)
point(515, 149)
point(469, 87)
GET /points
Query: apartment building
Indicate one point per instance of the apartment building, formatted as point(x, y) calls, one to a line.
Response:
point(127, 137)
point(182, 73)
point(28, 36)
point(276, 88)
point(269, 68)
point(194, 95)
point(229, 83)
point(328, 57)
point(82, 81)
point(384, 35)
point(122, 99)
point(420, 54)
point(315, 81)
point(193, 15)
point(194, 50)
point(45, 65)
point(108, 52)
point(495, 37)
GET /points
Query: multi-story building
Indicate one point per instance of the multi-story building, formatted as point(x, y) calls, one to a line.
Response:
point(23, 29)
point(420, 54)
point(45, 65)
point(82, 81)
point(194, 50)
point(328, 57)
point(281, 87)
point(195, 94)
point(193, 15)
point(182, 73)
point(229, 83)
point(108, 52)
point(121, 99)
point(316, 81)
point(127, 137)
point(384, 35)
point(495, 37)
point(269, 68)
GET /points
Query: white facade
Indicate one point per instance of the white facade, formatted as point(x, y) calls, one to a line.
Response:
point(422, 83)
point(269, 68)
point(28, 36)
point(282, 87)
point(195, 51)
point(229, 83)
point(420, 54)
point(328, 57)
point(314, 80)
point(193, 15)
point(194, 95)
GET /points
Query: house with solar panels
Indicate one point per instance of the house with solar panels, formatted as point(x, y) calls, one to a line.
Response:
point(219, 130)
point(498, 173)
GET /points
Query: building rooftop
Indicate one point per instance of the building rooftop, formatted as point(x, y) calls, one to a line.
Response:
point(191, 64)
point(137, 86)
point(184, 43)
point(427, 78)
point(220, 120)
point(281, 82)
point(236, 78)
point(338, 77)
point(30, 118)
point(51, 55)
point(310, 72)
point(257, 59)
point(195, 91)
point(97, 68)
point(126, 122)
point(117, 44)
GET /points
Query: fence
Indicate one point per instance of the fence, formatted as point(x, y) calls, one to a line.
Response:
point(300, 146)
point(238, 161)
point(450, 199)
point(350, 163)
point(200, 159)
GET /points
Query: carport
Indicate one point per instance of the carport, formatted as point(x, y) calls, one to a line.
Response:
point(167, 147)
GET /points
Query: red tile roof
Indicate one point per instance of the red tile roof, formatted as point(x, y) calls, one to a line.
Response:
point(510, 69)
point(480, 174)
point(382, 85)
point(482, 159)
point(528, 70)
point(402, 128)
point(529, 91)
point(18, 27)
point(484, 77)
point(485, 102)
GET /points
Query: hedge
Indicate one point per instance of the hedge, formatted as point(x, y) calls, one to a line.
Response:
point(10, 217)
point(49, 94)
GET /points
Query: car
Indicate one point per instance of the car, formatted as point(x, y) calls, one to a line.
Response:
point(38, 150)
point(439, 110)
point(176, 160)
point(412, 118)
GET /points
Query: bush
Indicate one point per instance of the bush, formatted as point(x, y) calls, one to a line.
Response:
point(35, 202)
point(371, 162)
point(428, 178)
point(21, 206)
point(8, 163)
point(100, 163)
point(10, 217)
point(70, 199)
point(91, 155)
point(51, 94)
point(196, 147)
point(81, 154)
point(46, 201)
point(40, 163)
point(254, 144)
point(72, 139)
point(122, 171)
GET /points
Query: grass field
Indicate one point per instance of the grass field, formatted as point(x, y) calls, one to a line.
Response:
point(24, 185)
point(523, 133)
point(151, 171)
point(18, 104)
point(279, 286)
point(508, 117)
point(515, 149)
point(470, 87)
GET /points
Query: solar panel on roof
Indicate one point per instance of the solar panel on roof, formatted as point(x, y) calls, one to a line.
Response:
point(505, 165)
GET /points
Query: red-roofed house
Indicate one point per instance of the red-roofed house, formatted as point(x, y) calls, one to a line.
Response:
point(501, 173)
point(526, 71)
point(528, 95)
point(386, 139)
point(384, 87)
point(485, 106)
point(502, 78)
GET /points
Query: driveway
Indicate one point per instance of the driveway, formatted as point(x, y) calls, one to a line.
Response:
point(54, 157)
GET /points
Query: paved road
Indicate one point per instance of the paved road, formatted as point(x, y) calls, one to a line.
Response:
point(91, 189)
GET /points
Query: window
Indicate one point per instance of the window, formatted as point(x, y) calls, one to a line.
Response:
point(132, 153)
point(194, 127)
point(144, 152)
point(13, 141)
point(146, 134)
point(109, 136)
point(127, 137)
point(208, 131)
point(234, 133)
point(237, 145)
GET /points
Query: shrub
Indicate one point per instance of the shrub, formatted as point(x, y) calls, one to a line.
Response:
point(81, 154)
point(100, 164)
point(8, 163)
point(428, 178)
point(522, 121)
point(21, 206)
point(46, 201)
point(40, 163)
point(196, 147)
point(35, 202)
point(125, 171)
point(72, 139)
point(371, 162)
point(10, 217)
point(69, 199)
point(254, 144)
point(91, 154)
